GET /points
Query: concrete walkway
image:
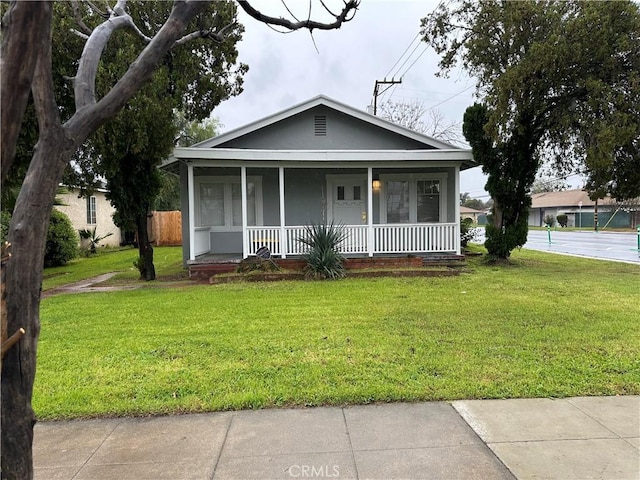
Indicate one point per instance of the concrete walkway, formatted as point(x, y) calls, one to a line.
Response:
point(575, 438)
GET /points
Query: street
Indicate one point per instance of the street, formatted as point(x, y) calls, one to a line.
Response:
point(621, 247)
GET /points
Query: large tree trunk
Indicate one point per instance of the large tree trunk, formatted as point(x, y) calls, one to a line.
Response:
point(145, 250)
point(24, 20)
point(27, 234)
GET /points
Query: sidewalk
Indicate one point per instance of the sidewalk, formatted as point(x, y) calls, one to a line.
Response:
point(575, 438)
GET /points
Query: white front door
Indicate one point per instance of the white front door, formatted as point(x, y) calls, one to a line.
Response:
point(348, 199)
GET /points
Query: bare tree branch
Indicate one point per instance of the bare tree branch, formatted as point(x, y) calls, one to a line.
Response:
point(210, 34)
point(137, 74)
point(347, 13)
point(412, 115)
point(78, 18)
point(43, 93)
point(85, 88)
point(95, 8)
point(80, 34)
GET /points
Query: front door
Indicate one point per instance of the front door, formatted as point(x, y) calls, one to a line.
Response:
point(348, 202)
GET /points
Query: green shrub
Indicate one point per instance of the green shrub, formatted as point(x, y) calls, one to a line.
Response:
point(323, 258)
point(501, 241)
point(562, 220)
point(549, 220)
point(62, 241)
point(467, 232)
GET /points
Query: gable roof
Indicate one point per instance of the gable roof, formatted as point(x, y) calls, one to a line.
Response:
point(565, 198)
point(322, 100)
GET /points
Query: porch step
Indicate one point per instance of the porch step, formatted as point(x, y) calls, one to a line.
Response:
point(447, 260)
point(204, 271)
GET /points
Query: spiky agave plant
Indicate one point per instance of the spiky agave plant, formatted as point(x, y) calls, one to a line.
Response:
point(323, 258)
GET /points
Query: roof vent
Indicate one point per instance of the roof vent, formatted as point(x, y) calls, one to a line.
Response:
point(320, 125)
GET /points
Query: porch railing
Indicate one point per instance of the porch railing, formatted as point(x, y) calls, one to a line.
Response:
point(403, 238)
point(202, 240)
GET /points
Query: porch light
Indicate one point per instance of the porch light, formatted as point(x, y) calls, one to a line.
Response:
point(376, 184)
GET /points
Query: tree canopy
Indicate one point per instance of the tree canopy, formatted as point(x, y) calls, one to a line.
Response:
point(557, 79)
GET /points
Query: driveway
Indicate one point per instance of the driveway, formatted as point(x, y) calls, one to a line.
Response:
point(614, 246)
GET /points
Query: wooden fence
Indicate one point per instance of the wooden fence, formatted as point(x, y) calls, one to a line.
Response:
point(165, 228)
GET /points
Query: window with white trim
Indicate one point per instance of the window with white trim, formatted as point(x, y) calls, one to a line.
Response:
point(219, 202)
point(413, 198)
point(427, 201)
point(91, 211)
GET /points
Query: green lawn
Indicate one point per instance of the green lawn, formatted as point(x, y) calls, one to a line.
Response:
point(547, 325)
point(168, 263)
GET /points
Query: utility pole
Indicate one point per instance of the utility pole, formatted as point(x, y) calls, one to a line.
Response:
point(377, 92)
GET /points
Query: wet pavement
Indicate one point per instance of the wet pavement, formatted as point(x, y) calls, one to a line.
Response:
point(569, 439)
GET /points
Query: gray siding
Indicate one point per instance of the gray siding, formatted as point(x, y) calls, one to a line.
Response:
point(226, 242)
point(342, 133)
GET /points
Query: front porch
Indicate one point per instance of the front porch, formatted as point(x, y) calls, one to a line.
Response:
point(369, 240)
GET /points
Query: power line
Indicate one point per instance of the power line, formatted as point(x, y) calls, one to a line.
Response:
point(414, 62)
point(405, 51)
point(407, 59)
point(451, 97)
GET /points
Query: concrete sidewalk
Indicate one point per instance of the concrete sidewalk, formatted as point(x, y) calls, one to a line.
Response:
point(575, 438)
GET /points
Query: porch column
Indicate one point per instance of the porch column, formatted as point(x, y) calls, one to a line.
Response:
point(243, 186)
point(370, 245)
point(456, 175)
point(283, 232)
point(192, 206)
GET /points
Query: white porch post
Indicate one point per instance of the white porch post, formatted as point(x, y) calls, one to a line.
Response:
point(370, 245)
point(283, 232)
point(243, 186)
point(192, 206)
point(457, 208)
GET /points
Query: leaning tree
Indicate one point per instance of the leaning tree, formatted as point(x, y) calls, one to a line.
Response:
point(26, 66)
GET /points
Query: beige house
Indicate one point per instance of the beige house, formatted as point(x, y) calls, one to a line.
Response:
point(91, 212)
point(580, 210)
point(472, 213)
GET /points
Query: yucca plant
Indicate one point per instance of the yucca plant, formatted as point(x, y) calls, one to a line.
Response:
point(323, 258)
point(93, 238)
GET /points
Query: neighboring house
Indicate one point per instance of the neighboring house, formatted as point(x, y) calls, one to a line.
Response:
point(472, 213)
point(320, 161)
point(580, 210)
point(89, 213)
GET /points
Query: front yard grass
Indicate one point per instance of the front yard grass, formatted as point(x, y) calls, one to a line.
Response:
point(544, 326)
point(167, 260)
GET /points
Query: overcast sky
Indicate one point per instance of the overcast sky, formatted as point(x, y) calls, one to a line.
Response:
point(285, 69)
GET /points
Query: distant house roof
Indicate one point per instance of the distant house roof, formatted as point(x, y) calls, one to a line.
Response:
point(470, 210)
point(566, 198)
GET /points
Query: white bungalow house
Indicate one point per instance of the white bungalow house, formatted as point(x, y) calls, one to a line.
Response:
point(395, 190)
